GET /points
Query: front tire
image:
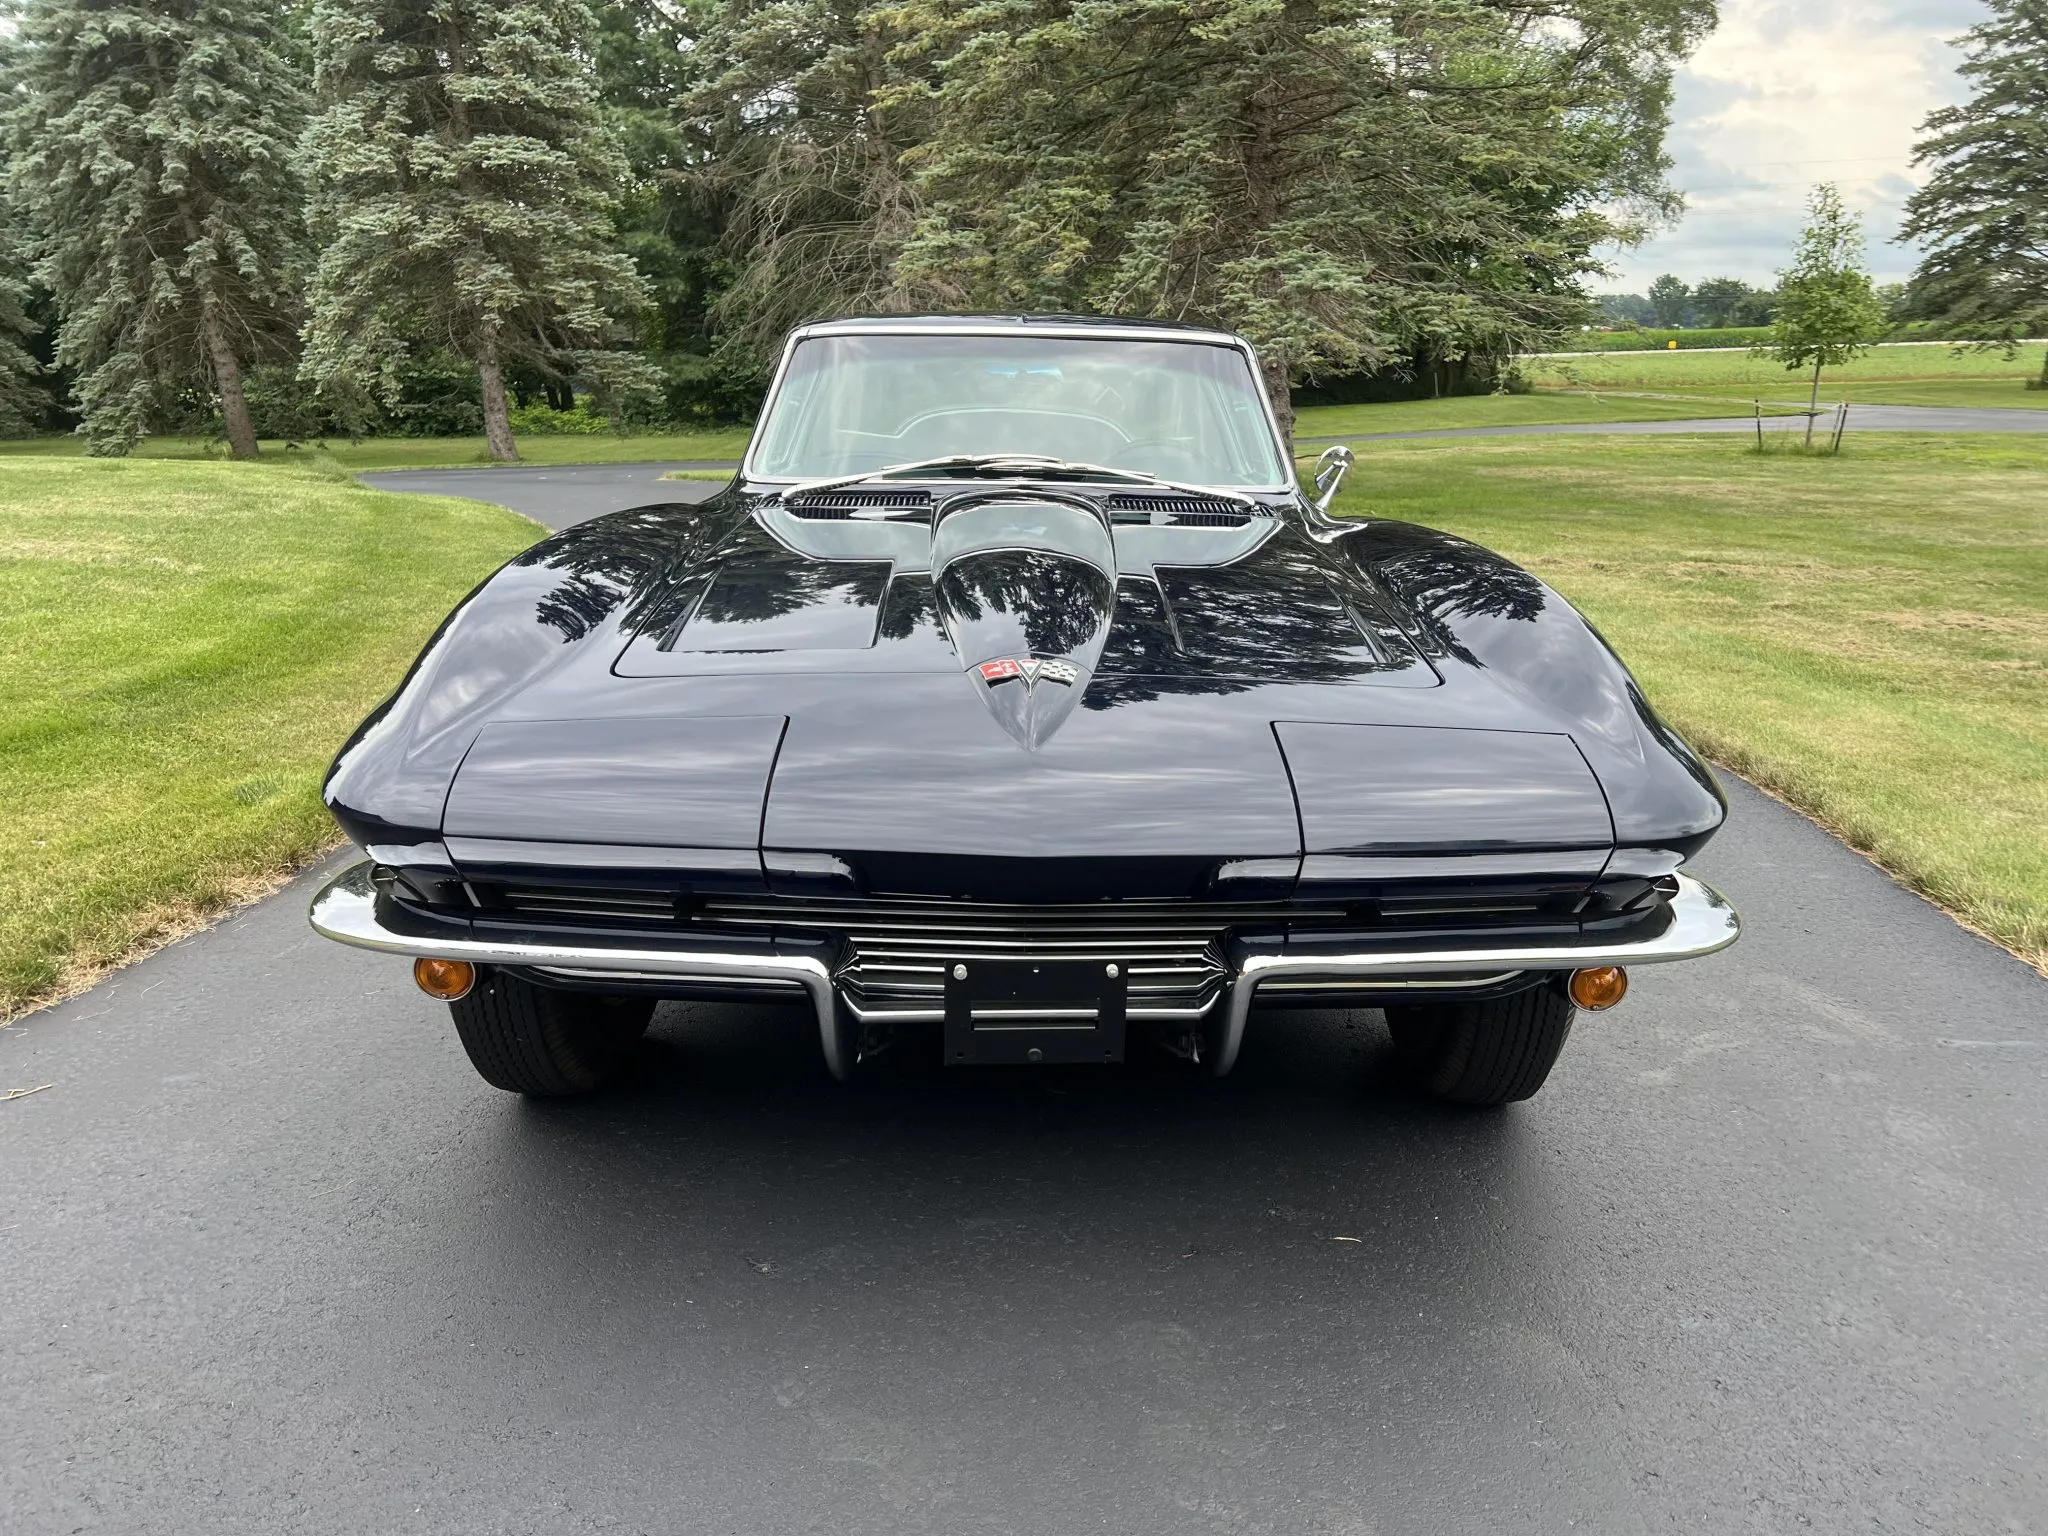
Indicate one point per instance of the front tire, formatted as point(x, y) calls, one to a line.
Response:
point(544, 1043)
point(1487, 1053)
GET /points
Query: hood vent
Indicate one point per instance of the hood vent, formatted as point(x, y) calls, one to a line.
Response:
point(833, 506)
point(1177, 511)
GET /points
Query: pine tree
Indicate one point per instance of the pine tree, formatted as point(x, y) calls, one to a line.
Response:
point(153, 145)
point(21, 403)
point(1828, 311)
point(1983, 213)
point(464, 183)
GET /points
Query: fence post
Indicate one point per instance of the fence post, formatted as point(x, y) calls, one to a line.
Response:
point(1841, 421)
point(1759, 404)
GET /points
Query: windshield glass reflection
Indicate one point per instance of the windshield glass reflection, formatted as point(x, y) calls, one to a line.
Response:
point(1187, 411)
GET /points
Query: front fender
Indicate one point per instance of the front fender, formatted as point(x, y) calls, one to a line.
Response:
point(1474, 608)
point(390, 781)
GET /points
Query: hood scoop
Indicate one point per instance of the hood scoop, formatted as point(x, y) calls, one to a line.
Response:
point(1025, 589)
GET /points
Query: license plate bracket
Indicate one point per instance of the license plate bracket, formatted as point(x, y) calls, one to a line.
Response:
point(1029, 1012)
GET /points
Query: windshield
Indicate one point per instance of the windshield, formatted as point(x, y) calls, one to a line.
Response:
point(1181, 410)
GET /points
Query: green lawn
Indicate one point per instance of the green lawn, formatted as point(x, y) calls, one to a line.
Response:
point(1889, 375)
point(1542, 409)
point(1866, 635)
point(430, 452)
point(185, 645)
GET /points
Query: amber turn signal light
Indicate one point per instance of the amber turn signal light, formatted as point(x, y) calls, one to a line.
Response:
point(450, 979)
point(1596, 987)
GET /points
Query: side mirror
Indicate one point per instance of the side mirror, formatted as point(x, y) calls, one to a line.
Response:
point(1331, 468)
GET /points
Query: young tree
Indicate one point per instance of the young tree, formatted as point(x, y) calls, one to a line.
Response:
point(1828, 311)
point(464, 185)
point(152, 157)
point(1669, 300)
point(1983, 213)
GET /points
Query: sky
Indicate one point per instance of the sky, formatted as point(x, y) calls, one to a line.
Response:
point(1787, 93)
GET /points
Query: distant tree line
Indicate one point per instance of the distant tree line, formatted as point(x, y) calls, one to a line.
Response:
point(1671, 304)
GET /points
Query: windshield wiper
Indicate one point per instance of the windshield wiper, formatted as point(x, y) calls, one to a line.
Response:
point(1020, 465)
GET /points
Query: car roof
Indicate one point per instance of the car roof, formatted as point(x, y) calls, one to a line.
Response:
point(1050, 325)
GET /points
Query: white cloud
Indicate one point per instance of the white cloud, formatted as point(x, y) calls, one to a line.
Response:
point(1784, 95)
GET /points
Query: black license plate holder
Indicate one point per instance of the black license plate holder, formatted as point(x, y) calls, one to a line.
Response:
point(1028, 1012)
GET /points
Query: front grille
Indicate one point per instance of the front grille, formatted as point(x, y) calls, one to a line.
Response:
point(574, 903)
point(898, 949)
point(839, 505)
point(1177, 511)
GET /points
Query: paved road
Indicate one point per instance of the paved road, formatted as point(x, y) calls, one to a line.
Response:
point(1862, 418)
point(1767, 1255)
point(558, 494)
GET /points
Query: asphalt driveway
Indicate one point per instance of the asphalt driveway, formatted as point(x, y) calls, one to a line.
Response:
point(1768, 1254)
point(558, 495)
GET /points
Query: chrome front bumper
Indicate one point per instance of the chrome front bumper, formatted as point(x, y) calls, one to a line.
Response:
point(1698, 922)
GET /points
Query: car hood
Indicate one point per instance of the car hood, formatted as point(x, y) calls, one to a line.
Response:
point(1035, 696)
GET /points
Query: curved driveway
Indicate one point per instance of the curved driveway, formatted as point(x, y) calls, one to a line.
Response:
point(1767, 1255)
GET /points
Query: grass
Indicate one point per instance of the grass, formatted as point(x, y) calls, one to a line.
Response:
point(1646, 340)
point(1542, 409)
point(1888, 375)
point(428, 452)
point(1866, 636)
point(185, 646)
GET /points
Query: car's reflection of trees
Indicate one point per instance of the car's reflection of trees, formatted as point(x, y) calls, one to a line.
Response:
point(1440, 579)
point(1289, 614)
point(1277, 614)
point(610, 559)
point(1062, 604)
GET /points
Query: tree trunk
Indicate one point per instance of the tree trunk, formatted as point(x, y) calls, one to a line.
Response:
point(497, 418)
point(1273, 367)
point(227, 382)
point(1813, 405)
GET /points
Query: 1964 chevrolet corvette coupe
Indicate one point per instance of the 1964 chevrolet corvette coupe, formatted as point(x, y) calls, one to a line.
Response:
point(1016, 701)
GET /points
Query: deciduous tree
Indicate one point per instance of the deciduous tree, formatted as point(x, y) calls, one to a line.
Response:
point(808, 161)
point(464, 187)
point(1721, 301)
point(1345, 183)
point(152, 159)
point(1669, 300)
point(1828, 312)
point(1983, 213)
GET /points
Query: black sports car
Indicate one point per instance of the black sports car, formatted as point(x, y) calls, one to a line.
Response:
point(1016, 701)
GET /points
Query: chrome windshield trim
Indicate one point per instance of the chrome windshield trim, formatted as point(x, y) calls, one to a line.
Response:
point(1700, 921)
